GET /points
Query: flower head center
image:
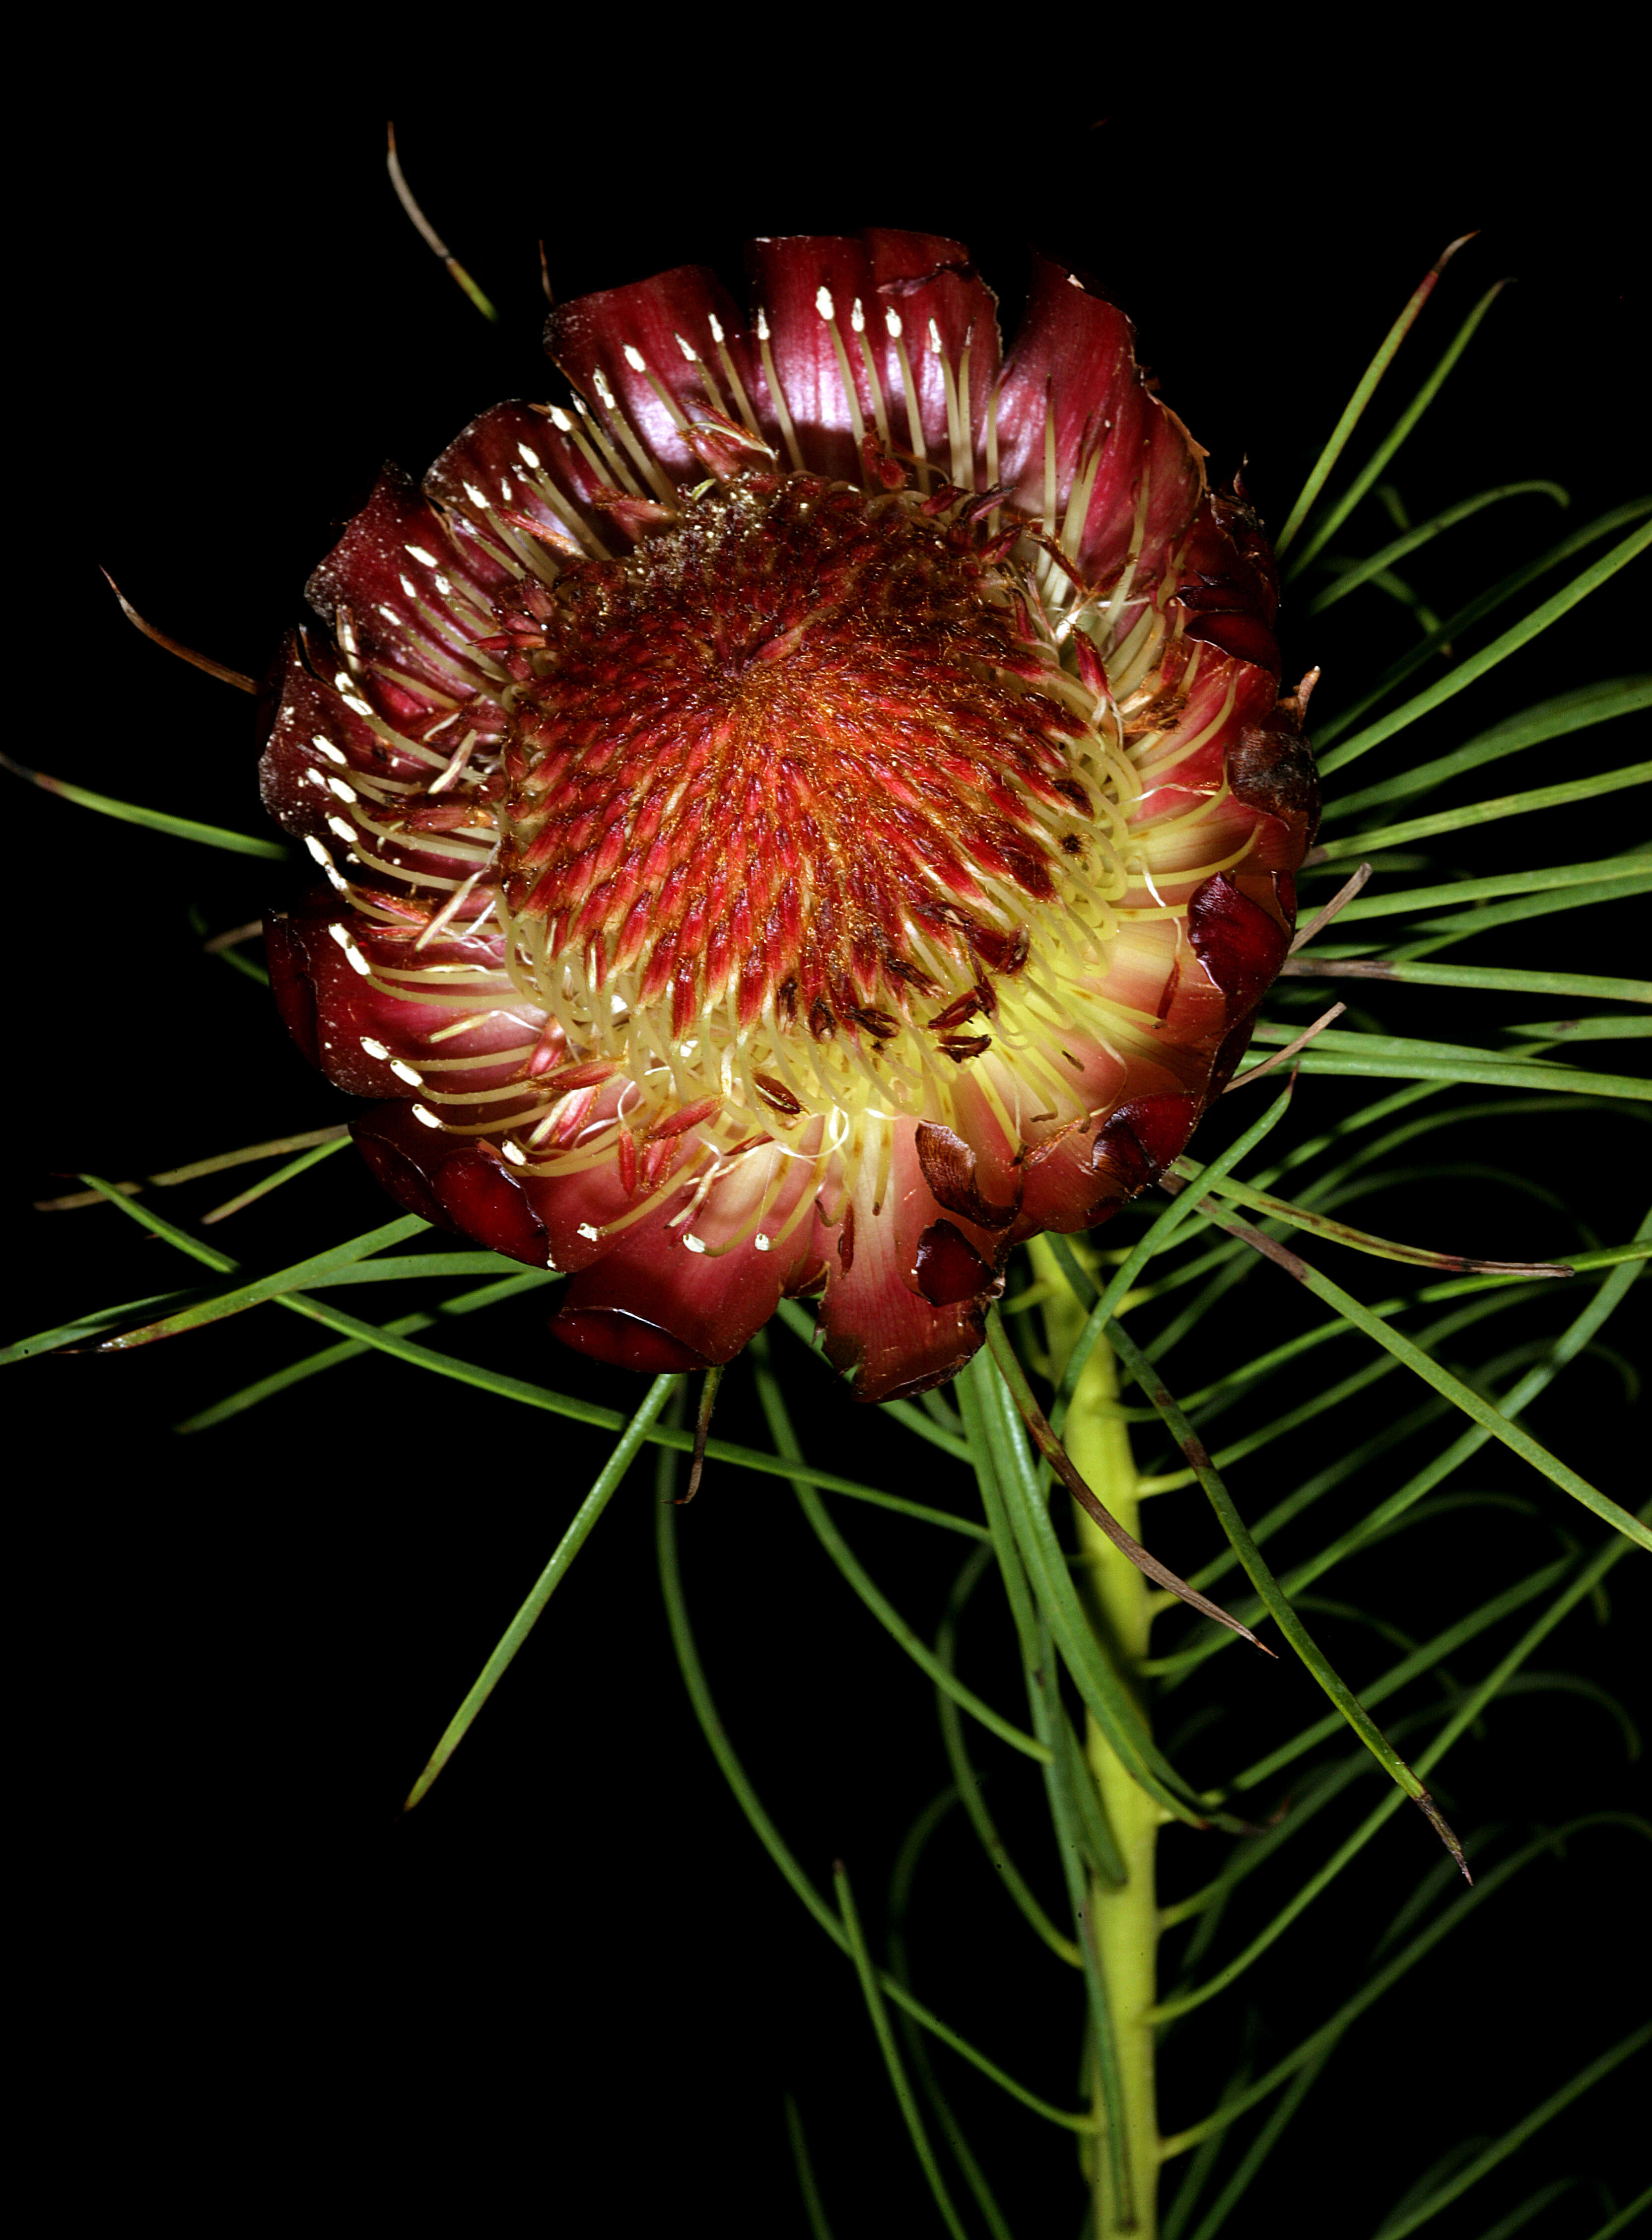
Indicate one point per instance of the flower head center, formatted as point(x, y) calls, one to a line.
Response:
point(790, 788)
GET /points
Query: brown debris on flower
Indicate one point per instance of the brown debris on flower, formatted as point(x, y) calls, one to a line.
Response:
point(810, 815)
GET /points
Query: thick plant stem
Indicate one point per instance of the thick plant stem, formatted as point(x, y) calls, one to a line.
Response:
point(1125, 1918)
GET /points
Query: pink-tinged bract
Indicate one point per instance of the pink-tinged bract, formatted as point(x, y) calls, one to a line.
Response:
point(808, 816)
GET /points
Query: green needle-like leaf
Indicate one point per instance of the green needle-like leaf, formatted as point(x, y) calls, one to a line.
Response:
point(1034, 1536)
point(1197, 2177)
point(1277, 1603)
point(1359, 1240)
point(219, 1164)
point(883, 1609)
point(1476, 609)
point(917, 2053)
point(814, 2208)
point(1320, 472)
point(1624, 2218)
point(384, 1340)
point(1404, 1057)
point(1567, 1347)
point(1466, 925)
point(1491, 1418)
point(334, 1357)
point(1481, 664)
point(1596, 1029)
point(1124, 2177)
point(1263, 2144)
point(764, 1827)
point(289, 1173)
point(1626, 871)
point(1585, 1580)
point(1166, 1226)
point(1588, 987)
point(1363, 570)
point(1336, 514)
point(911, 2114)
point(602, 1489)
point(1422, 1659)
point(968, 1781)
point(319, 1269)
point(92, 1325)
point(1515, 2137)
point(157, 820)
point(1483, 812)
point(1374, 1986)
point(1568, 712)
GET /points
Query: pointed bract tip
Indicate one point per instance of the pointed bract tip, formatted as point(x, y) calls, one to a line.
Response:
point(1442, 1828)
point(1451, 249)
point(224, 673)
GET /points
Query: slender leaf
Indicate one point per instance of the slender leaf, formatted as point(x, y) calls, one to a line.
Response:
point(917, 2053)
point(1368, 843)
point(1360, 1240)
point(289, 1173)
point(1046, 1566)
point(1103, 2035)
point(1336, 514)
point(90, 1325)
point(1584, 1581)
point(814, 2208)
point(1630, 871)
point(785, 1439)
point(543, 1397)
point(1403, 1058)
point(1353, 411)
point(1588, 987)
point(1263, 2144)
point(1279, 1607)
point(1481, 664)
point(319, 1269)
point(1378, 1984)
point(157, 820)
point(334, 1357)
point(1163, 1233)
point(967, 1782)
point(1330, 727)
point(1625, 2217)
point(911, 2114)
point(1555, 719)
point(1462, 1396)
point(764, 1827)
point(1422, 1659)
point(1363, 570)
point(1517, 2135)
point(1467, 925)
point(574, 1538)
point(1570, 1343)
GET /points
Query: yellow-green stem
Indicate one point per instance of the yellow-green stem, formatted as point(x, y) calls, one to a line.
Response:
point(1116, 1594)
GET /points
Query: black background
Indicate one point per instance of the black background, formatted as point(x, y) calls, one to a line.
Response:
point(573, 1969)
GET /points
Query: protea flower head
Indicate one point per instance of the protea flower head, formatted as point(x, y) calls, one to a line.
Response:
point(810, 815)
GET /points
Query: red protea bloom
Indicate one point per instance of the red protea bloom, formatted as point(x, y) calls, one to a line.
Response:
point(811, 815)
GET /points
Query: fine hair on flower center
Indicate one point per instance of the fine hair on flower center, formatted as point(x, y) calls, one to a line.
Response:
point(804, 810)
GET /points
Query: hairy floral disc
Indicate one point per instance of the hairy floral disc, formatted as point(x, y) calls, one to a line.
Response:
point(789, 794)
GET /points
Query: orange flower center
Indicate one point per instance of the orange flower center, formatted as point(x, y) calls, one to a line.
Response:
point(802, 757)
